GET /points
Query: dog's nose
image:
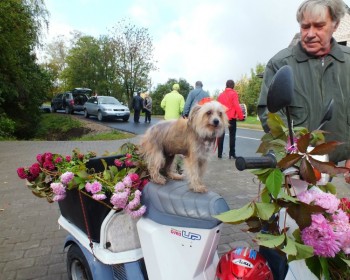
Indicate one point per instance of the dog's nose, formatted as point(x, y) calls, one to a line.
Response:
point(216, 122)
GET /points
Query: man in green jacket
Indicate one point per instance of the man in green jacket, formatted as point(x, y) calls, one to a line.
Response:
point(173, 103)
point(321, 70)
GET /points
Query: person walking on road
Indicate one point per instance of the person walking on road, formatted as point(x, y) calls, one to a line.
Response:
point(137, 105)
point(173, 103)
point(229, 98)
point(194, 97)
point(147, 107)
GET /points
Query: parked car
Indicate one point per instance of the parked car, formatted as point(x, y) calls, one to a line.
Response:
point(71, 101)
point(106, 107)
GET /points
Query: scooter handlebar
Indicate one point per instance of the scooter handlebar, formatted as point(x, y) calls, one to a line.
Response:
point(267, 161)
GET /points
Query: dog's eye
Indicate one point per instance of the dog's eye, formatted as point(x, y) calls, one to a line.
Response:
point(220, 114)
point(209, 113)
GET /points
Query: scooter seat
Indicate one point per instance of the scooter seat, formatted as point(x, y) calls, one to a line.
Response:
point(175, 205)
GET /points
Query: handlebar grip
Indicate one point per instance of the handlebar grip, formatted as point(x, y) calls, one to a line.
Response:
point(267, 161)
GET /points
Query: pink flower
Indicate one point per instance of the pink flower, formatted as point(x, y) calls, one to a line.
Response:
point(127, 181)
point(67, 177)
point(58, 160)
point(22, 173)
point(48, 165)
point(40, 158)
point(48, 157)
point(119, 187)
point(118, 163)
point(315, 196)
point(58, 188)
point(128, 163)
point(120, 199)
point(137, 213)
point(35, 170)
point(136, 200)
point(59, 197)
point(68, 158)
point(134, 177)
point(94, 187)
point(128, 156)
point(321, 237)
point(99, 196)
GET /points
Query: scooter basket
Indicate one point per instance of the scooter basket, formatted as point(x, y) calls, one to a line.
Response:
point(95, 211)
point(71, 209)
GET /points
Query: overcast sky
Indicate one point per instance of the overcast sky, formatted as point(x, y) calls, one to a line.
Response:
point(207, 40)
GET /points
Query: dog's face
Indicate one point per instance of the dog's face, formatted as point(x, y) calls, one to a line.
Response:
point(208, 120)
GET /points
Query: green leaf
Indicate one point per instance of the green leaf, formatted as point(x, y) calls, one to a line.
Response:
point(237, 216)
point(265, 210)
point(325, 268)
point(82, 174)
point(314, 265)
point(269, 240)
point(304, 251)
point(274, 182)
point(106, 175)
point(290, 248)
point(346, 261)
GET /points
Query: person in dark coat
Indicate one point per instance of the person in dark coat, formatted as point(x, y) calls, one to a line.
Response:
point(137, 105)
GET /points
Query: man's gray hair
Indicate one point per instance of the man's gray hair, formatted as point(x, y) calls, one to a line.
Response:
point(336, 9)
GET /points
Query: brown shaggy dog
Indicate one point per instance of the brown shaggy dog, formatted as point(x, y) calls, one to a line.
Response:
point(193, 137)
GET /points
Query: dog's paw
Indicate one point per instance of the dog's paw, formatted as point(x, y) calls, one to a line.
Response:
point(159, 180)
point(199, 189)
point(175, 176)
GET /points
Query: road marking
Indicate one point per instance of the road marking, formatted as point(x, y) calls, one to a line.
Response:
point(250, 138)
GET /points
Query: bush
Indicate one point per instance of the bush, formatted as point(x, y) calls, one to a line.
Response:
point(7, 127)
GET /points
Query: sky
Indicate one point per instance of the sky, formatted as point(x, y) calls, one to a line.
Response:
point(207, 40)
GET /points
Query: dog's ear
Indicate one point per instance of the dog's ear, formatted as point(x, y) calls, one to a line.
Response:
point(193, 113)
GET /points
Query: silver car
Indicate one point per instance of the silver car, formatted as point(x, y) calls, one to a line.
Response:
point(106, 107)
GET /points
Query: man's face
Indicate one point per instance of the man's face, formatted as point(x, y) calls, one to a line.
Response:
point(316, 32)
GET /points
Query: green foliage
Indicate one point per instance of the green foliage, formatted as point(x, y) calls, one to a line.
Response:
point(7, 127)
point(162, 89)
point(249, 89)
point(23, 84)
point(278, 203)
point(114, 135)
point(55, 124)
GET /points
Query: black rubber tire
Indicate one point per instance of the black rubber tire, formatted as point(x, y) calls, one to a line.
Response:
point(77, 265)
point(86, 115)
point(99, 116)
point(125, 119)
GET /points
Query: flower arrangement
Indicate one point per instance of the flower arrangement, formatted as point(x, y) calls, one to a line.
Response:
point(295, 191)
point(119, 185)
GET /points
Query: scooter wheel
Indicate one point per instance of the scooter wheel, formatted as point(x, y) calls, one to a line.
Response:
point(77, 265)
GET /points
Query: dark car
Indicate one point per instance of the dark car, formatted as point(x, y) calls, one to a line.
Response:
point(71, 101)
point(104, 107)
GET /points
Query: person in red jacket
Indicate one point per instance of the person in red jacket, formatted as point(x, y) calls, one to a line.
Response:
point(229, 98)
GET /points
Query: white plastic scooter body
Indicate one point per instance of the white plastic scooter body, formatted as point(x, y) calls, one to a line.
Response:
point(174, 253)
point(178, 235)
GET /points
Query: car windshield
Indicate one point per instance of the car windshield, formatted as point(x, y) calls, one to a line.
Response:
point(108, 100)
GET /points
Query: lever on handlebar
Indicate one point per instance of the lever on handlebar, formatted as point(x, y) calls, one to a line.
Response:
point(267, 161)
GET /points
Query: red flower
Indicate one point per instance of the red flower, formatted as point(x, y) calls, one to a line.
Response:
point(128, 156)
point(21, 173)
point(68, 158)
point(118, 163)
point(345, 205)
point(35, 170)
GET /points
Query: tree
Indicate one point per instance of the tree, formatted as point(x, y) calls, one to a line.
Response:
point(23, 83)
point(55, 56)
point(249, 89)
point(162, 89)
point(83, 64)
point(133, 50)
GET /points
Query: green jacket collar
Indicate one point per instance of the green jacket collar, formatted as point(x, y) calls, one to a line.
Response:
point(302, 56)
